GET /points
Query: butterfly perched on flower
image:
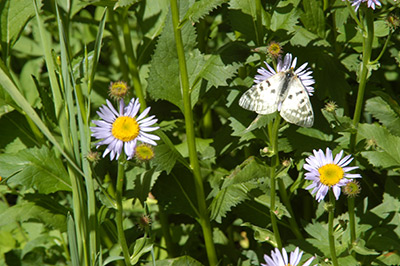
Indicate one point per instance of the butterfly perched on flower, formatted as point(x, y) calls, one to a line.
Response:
point(286, 91)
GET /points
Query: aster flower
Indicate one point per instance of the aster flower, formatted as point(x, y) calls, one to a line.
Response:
point(281, 259)
point(370, 3)
point(326, 172)
point(303, 73)
point(123, 129)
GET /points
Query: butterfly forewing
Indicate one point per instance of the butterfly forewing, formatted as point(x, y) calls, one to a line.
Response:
point(296, 107)
point(263, 98)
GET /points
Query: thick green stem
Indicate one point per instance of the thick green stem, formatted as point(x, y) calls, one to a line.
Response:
point(331, 210)
point(273, 136)
point(189, 124)
point(367, 49)
point(119, 217)
point(350, 202)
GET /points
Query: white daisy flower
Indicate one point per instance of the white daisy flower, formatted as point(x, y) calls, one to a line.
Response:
point(281, 259)
point(303, 72)
point(123, 129)
point(326, 172)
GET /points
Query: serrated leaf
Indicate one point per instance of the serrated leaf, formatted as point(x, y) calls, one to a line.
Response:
point(227, 198)
point(387, 154)
point(386, 110)
point(250, 169)
point(35, 168)
point(164, 81)
point(216, 72)
point(200, 9)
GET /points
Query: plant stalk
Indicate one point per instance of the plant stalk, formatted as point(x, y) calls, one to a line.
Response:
point(194, 161)
point(331, 211)
point(119, 217)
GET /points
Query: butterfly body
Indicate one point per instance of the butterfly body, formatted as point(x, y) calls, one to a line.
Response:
point(283, 92)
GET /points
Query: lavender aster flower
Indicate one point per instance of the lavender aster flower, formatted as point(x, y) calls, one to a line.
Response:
point(326, 172)
point(370, 3)
point(123, 129)
point(281, 259)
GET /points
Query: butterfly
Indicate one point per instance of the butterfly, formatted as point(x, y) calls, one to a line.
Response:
point(283, 92)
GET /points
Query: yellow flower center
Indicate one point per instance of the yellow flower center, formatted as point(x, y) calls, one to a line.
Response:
point(125, 128)
point(330, 174)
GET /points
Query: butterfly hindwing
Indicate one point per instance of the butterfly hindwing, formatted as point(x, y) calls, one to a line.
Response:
point(296, 107)
point(263, 98)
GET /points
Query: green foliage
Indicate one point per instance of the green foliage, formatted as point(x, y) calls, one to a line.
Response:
point(35, 168)
point(58, 200)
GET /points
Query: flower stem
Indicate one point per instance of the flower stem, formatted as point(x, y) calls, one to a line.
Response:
point(350, 203)
point(119, 218)
point(367, 49)
point(331, 211)
point(273, 137)
point(204, 219)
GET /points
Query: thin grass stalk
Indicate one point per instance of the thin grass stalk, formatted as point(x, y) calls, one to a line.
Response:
point(119, 214)
point(194, 162)
point(132, 62)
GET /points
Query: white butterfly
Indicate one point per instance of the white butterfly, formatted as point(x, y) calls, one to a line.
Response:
point(283, 92)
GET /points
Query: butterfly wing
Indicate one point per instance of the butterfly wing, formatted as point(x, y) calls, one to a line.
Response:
point(263, 98)
point(296, 107)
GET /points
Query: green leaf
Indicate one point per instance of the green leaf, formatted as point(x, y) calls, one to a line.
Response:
point(262, 234)
point(387, 154)
point(13, 17)
point(216, 72)
point(313, 17)
point(200, 9)
point(285, 16)
point(179, 261)
point(142, 246)
point(30, 211)
point(35, 168)
point(386, 110)
point(227, 198)
point(143, 182)
point(125, 3)
point(250, 169)
point(163, 81)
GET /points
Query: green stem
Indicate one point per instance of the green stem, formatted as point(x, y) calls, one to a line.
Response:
point(285, 199)
point(119, 218)
point(367, 49)
point(191, 142)
point(331, 211)
point(273, 136)
point(350, 201)
point(259, 26)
